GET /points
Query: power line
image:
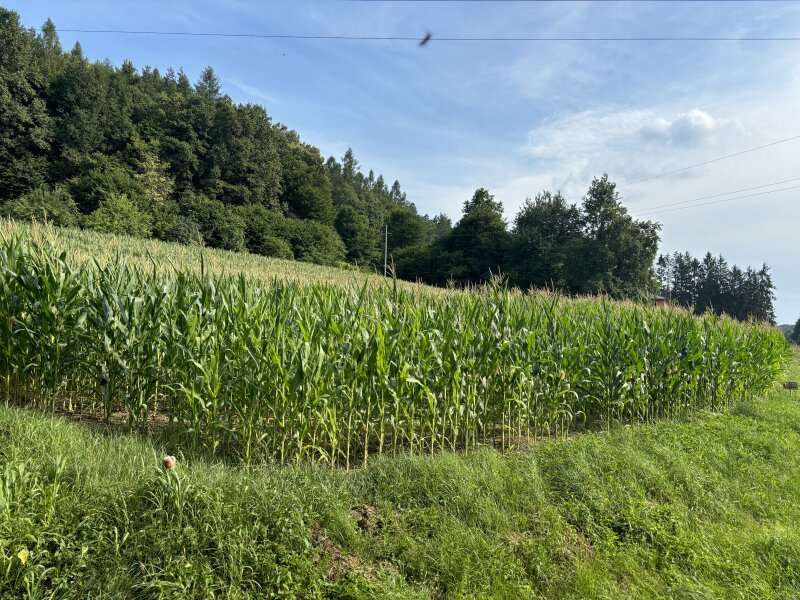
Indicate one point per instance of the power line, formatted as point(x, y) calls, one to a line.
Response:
point(786, 189)
point(714, 160)
point(739, 191)
point(416, 38)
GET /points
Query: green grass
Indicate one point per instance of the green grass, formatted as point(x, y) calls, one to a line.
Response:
point(702, 509)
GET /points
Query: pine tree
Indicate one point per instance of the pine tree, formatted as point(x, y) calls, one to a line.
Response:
point(354, 229)
point(50, 49)
point(711, 285)
point(396, 195)
point(476, 247)
point(349, 165)
point(617, 251)
point(208, 86)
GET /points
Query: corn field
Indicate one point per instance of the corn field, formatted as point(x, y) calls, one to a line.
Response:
point(287, 371)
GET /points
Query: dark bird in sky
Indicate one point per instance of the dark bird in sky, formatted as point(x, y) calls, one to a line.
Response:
point(426, 39)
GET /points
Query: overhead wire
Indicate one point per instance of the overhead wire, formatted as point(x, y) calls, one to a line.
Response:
point(669, 210)
point(450, 38)
point(747, 189)
point(714, 160)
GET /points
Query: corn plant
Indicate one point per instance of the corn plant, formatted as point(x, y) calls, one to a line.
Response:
point(261, 368)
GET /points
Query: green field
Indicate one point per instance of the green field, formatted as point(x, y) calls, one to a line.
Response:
point(702, 509)
point(260, 367)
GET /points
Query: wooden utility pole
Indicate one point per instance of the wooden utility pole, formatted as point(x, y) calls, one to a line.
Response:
point(385, 248)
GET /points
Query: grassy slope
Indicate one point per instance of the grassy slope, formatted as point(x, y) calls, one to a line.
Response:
point(706, 509)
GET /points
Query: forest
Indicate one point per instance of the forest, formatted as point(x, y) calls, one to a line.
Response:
point(137, 152)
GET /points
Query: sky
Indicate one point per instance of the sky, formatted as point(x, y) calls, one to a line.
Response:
point(516, 117)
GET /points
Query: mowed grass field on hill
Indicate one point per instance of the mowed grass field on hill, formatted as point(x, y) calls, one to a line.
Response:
point(704, 509)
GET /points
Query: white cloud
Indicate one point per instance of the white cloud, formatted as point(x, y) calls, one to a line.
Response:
point(551, 75)
point(628, 144)
point(687, 129)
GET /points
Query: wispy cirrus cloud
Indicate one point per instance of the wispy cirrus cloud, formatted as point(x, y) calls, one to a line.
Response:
point(253, 91)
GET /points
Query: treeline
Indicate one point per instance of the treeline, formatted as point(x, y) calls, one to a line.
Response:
point(713, 285)
point(580, 249)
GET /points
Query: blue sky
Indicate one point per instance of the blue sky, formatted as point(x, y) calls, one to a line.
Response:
point(516, 117)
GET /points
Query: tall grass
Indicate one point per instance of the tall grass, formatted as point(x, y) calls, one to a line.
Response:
point(338, 372)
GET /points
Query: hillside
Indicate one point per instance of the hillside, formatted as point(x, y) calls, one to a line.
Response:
point(82, 246)
point(210, 386)
point(684, 483)
point(701, 509)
